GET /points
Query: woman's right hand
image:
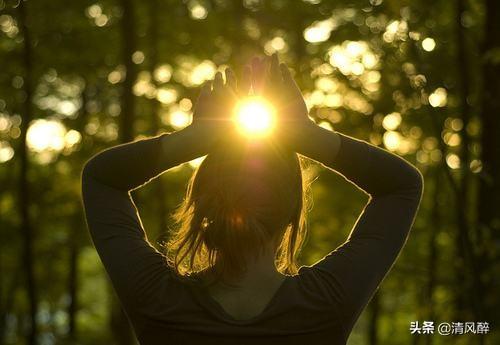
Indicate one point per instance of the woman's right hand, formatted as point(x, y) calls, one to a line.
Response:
point(273, 80)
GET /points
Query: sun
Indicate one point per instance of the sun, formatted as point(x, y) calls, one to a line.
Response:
point(254, 117)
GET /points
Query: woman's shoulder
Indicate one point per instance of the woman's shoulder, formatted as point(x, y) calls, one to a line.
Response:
point(313, 284)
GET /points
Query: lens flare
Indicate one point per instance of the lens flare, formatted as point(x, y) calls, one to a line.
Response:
point(254, 117)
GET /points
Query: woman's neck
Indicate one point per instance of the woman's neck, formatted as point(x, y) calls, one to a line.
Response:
point(259, 269)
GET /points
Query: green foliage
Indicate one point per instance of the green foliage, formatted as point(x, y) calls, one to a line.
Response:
point(388, 72)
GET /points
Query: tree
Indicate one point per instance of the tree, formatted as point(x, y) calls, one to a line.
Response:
point(24, 184)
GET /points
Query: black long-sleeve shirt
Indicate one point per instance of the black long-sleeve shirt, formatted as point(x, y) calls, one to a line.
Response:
point(320, 305)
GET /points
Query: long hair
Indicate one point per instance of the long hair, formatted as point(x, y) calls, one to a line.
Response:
point(240, 201)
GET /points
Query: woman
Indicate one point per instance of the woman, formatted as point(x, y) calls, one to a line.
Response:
point(231, 275)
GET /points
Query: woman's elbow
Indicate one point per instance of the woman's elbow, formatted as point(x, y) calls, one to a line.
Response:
point(88, 169)
point(416, 182)
point(91, 169)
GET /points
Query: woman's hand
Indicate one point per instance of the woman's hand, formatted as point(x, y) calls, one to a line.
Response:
point(213, 111)
point(274, 82)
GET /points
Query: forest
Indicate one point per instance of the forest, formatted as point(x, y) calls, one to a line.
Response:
point(419, 78)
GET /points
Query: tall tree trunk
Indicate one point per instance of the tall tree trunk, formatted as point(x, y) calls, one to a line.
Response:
point(24, 188)
point(489, 188)
point(155, 120)
point(432, 263)
point(75, 236)
point(468, 299)
point(128, 45)
point(119, 322)
point(7, 307)
point(126, 128)
point(74, 248)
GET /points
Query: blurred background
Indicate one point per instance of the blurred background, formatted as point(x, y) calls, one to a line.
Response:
point(419, 78)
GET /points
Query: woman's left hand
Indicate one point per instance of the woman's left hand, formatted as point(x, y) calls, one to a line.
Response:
point(212, 117)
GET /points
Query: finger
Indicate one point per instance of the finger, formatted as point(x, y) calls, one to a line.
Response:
point(231, 79)
point(288, 80)
point(275, 72)
point(218, 82)
point(255, 62)
point(258, 74)
point(206, 88)
point(229, 98)
point(246, 81)
point(203, 97)
point(205, 91)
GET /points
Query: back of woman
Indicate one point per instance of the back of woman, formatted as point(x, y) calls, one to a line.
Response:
point(230, 275)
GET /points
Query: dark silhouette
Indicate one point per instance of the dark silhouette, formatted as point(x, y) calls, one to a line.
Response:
point(230, 275)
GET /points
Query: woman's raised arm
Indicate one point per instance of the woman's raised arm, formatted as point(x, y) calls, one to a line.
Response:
point(350, 274)
point(139, 273)
point(128, 166)
point(355, 269)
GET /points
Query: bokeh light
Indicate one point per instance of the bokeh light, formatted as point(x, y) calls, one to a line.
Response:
point(180, 119)
point(438, 98)
point(320, 31)
point(392, 121)
point(46, 135)
point(6, 151)
point(428, 44)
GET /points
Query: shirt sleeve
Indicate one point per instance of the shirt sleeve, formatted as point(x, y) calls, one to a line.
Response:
point(138, 272)
point(354, 270)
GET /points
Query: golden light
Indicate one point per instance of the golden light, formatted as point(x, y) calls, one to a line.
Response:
point(392, 121)
point(179, 119)
point(438, 98)
point(196, 162)
point(46, 135)
point(163, 73)
point(254, 117)
point(392, 140)
point(320, 31)
point(453, 161)
point(428, 44)
point(6, 151)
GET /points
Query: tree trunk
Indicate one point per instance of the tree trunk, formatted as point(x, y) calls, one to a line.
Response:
point(24, 188)
point(73, 278)
point(489, 189)
point(119, 322)
point(75, 236)
point(432, 263)
point(469, 297)
point(7, 307)
point(155, 120)
point(128, 99)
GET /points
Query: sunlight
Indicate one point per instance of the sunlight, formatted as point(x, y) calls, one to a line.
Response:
point(453, 161)
point(254, 117)
point(195, 163)
point(166, 95)
point(198, 12)
point(438, 98)
point(353, 58)
point(392, 140)
point(320, 31)
point(202, 72)
point(428, 44)
point(46, 135)
point(6, 152)
point(392, 121)
point(163, 73)
point(180, 119)
point(277, 44)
